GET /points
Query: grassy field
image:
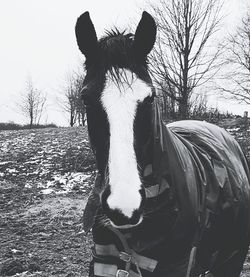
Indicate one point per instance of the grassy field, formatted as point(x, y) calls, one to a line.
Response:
point(45, 177)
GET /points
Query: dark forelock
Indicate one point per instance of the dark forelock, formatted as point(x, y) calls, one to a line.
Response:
point(115, 55)
point(116, 49)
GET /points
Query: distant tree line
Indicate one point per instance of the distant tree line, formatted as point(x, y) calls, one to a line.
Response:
point(199, 110)
point(72, 103)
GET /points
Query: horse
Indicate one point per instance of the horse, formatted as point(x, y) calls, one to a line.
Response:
point(168, 200)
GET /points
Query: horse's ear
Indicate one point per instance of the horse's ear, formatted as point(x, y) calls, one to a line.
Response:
point(145, 35)
point(86, 35)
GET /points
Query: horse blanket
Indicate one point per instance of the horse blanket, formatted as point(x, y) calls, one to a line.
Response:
point(197, 190)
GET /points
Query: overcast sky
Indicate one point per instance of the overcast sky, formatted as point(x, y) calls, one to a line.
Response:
point(37, 39)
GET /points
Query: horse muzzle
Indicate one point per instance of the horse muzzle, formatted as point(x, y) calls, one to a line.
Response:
point(117, 218)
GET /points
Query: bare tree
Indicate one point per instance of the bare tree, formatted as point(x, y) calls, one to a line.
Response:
point(80, 108)
point(72, 102)
point(199, 106)
point(183, 59)
point(69, 103)
point(32, 103)
point(168, 104)
point(236, 80)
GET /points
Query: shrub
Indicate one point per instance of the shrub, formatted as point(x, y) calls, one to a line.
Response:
point(15, 126)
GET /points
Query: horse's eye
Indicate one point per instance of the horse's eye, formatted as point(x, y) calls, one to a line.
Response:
point(149, 99)
point(86, 102)
point(86, 99)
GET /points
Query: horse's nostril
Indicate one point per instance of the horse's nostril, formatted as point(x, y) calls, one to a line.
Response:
point(116, 215)
point(120, 220)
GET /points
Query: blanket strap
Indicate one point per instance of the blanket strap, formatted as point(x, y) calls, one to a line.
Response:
point(128, 256)
point(111, 250)
point(107, 270)
point(191, 262)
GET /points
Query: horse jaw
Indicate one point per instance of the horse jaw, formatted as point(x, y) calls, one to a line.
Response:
point(120, 104)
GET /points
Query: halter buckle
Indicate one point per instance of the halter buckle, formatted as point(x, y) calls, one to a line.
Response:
point(122, 273)
point(206, 274)
point(125, 257)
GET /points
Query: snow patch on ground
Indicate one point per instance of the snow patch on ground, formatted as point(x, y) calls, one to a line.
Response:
point(232, 130)
point(61, 184)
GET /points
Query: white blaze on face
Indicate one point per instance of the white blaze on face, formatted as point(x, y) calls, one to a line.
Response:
point(120, 105)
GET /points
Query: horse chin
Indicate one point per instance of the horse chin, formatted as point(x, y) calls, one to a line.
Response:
point(126, 226)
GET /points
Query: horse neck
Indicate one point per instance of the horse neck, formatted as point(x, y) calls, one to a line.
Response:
point(154, 147)
point(145, 155)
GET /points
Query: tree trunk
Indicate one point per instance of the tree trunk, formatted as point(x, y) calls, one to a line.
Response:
point(31, 121)
point(72, 121)
point(183, 108)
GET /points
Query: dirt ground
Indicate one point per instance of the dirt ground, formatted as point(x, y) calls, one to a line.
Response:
point(45, 177)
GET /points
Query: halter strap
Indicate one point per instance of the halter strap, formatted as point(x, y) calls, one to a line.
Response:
point(108, 270)
point(128, 255)
point(111, 250)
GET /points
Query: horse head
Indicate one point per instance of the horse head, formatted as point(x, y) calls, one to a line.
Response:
point(118, 94)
